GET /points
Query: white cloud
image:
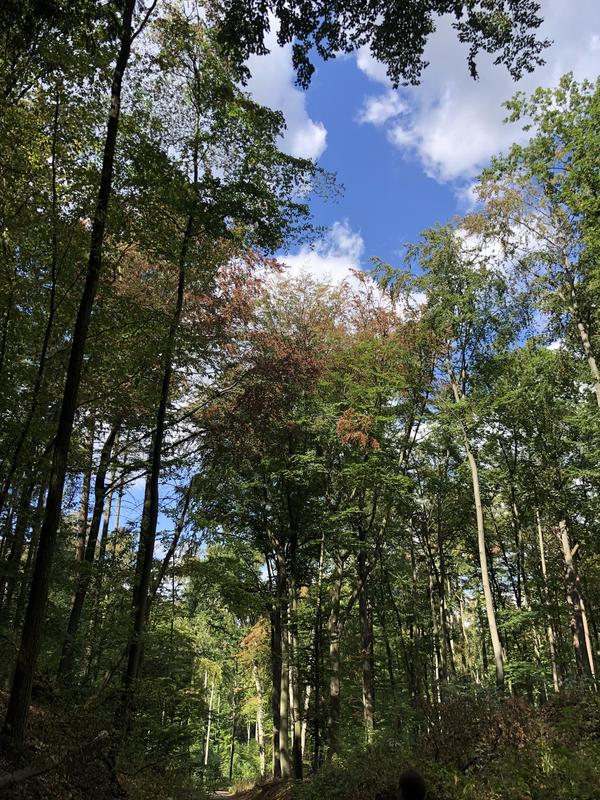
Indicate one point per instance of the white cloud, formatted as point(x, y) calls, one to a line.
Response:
point(381, 108)
point(466, 196)
point(331, 259)
point(272, 85)
point(455, 124)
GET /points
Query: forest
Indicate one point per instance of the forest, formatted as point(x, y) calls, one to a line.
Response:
point(266, 535)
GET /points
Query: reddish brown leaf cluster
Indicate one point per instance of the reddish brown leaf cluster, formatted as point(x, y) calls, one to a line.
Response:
point(355, 429)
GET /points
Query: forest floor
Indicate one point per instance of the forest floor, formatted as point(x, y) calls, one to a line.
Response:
point(264, 791)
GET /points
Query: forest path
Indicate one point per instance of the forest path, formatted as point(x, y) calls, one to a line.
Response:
point(268, 791)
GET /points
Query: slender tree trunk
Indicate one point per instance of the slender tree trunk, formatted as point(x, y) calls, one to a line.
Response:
point(487, 591)
point(588, 640)
point(15, 556)
point(483, 562)
point(316, 759)
point(233, 729)
point(305, 707)
point(151, 498)
point(39, 378)
point(276, 684)
point(366, 643)
point(260, 735)
point(84, 502)
point(209, 723)
point(66, 658)
point(31, 552)
point(573, 599)
point(435, 643)
point(582, 329)
point(549, 630)
point(333, 722)
point(31, 637)
point(295, 683)
point(173, 546)
point(284, 694)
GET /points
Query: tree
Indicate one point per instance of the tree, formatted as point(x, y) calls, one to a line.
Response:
point(396, 34)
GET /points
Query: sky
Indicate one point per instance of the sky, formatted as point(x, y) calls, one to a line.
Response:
point(408, 158)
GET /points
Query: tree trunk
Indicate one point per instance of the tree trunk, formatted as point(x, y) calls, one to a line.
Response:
point(84, 502)
point(209, 723)
point(284, 694)
point(487, 591)
point(316, 759)
point(366, 642)
point(233, 728)
point(583, 333)
point(31, 552)
point(31, 637)
point(549, 630)
point(13, 562)
point(151, 497)
point(305, 707)
point(260, 734)
point(297, 737)
point(39, 378)
point(66, 658)
point(574, 601)
point(276, 684)
point(333, 626)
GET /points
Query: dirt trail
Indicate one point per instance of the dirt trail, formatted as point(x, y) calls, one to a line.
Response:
point(266, 791)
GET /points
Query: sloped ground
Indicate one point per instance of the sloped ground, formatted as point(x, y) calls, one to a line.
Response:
point(81, 772)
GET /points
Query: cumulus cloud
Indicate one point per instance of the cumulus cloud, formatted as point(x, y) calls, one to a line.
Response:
point(380, 108)
point(331, 259)
point(272, 85)
point(454, 124)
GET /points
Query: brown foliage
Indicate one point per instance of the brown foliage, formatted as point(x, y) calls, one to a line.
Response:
point(355, 429)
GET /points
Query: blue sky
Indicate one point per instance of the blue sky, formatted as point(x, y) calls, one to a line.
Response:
point(407, 158)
